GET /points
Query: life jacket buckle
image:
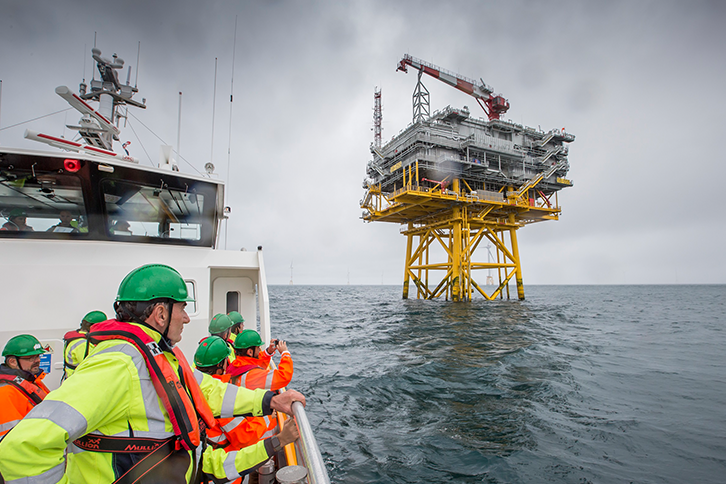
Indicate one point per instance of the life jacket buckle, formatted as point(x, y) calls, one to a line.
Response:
point(154, 348)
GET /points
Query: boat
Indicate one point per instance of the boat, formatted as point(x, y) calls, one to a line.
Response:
point(77, 220)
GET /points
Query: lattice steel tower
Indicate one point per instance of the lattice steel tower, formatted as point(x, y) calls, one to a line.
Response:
point(377, 118)
point(453, 181)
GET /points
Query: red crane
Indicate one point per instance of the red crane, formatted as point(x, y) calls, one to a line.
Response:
point(493, 105)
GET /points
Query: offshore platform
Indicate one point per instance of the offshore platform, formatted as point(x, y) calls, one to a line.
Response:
point(454, 181)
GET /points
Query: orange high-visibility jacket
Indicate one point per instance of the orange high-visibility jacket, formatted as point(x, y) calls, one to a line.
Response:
point(238, 432)
point(255, 376)
point(18, 396)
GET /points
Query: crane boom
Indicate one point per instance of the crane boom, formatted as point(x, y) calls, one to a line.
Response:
point(493, 105)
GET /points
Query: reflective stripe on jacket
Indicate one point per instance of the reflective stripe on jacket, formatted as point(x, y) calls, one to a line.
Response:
point(18, 396)
point(238, 432)
point(112, 393)
point(182, 410)
point(261, 378)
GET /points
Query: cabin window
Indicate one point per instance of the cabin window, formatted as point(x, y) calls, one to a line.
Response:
point(42, 202)
point(192, 293)
point(232, 301)
point(134, 210)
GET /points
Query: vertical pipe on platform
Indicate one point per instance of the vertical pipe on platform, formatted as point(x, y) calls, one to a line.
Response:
point(469, 249)
point(456, 262)
point(428, 245)
point(418, 273)
point(499, 269)
point(409, 241)
point(515, 253)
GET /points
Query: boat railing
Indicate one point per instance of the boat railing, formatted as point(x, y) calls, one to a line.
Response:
point(317, 473)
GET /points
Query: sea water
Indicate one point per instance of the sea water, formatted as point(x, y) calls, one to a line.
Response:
point(576, 384)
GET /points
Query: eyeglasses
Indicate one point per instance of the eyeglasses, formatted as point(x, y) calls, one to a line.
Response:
point(29, 358)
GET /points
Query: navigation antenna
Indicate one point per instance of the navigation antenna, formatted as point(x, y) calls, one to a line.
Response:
point(229, 145)
point(98, 128)
point(214, 105)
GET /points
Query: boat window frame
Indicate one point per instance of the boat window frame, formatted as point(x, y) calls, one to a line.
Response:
point(91, 179)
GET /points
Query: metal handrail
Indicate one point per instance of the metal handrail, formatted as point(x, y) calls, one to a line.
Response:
point(317, 473)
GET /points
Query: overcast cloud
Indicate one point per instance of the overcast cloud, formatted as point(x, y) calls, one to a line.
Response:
point(639, 83)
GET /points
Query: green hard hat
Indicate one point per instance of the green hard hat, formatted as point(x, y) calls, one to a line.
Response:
point(23, 345)
point(249, 338)
point(17, 212)
point(211, 352)
point(95, 317)
point(236, 317)
point(220, 323)
point(153, 281)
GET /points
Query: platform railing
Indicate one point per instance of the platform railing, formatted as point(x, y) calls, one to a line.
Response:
point(317, 473)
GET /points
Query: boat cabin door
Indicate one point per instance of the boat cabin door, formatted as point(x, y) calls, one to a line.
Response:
point(235, 294)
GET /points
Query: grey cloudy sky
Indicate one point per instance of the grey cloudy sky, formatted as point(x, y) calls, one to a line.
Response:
point(639, 83)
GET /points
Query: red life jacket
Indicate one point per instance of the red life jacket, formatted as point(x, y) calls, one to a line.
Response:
point(33, 392)
point(73, 335)
point(234, 370)
point(183, 411)
point(68, 338)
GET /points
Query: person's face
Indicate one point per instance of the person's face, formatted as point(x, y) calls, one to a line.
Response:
point(179, 318)
point(19, 221)
point(65, 217)
point(256, 353)
point(31, 364)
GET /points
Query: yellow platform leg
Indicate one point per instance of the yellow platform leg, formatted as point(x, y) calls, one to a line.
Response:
point(455, 258)
point(407, 269)
point(517, 263)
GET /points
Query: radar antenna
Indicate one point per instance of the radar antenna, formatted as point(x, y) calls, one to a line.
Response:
point(98, 127)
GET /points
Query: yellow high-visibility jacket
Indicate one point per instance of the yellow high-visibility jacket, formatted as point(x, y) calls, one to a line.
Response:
point(74, 353)
point(111, 393)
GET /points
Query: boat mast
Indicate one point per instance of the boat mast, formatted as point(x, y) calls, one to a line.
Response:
point(98, 128)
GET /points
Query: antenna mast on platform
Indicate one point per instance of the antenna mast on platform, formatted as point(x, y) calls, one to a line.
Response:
point(377, 118)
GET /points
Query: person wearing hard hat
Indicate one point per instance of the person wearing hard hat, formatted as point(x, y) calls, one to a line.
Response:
point(17, 219)
point(77, 346)
point(235, 433)
point(221, 326)
point(21, 381)
point(133, 407)
point(251, 362)
point(238, 325)
point(250, 369)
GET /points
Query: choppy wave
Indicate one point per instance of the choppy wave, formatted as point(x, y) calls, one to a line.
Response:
point(576, 384)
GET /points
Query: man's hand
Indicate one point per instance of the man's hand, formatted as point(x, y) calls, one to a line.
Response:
point(281, 346)
point(283, 401)
point(289, 434)
point(271, 349)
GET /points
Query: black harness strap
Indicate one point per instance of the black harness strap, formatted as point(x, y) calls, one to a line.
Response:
point(147, 464)
point(172, 393)
point(119, 445)
point(156, 450)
